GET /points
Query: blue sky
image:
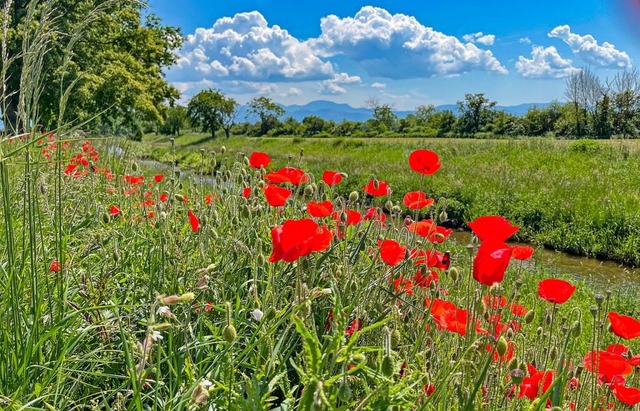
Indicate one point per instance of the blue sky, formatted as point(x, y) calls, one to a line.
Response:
point(403, 52)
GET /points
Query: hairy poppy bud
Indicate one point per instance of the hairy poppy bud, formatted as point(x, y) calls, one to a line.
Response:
point(513, 364)
point(387, 366)
point(528, 319)
point(344, 391)
point(576, 328)
point(359, 358)
point(223, 149)
point(308, 191)
point(388, 204)
point(43, 189)
point(539, 331)
point(134, 167)
point(116, 256)
point(443, 216)
point(179, 198)
point(245, 212)
point(229, 333)
point(553, 354)
point(502, 346)
point(354, 196)
point(396, 209)
point(106, 218)
point(548, 319)
point(396, 338)
point(453, 273)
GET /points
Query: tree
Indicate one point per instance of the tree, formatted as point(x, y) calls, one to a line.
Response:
point(86, 59)
point(174, 121)
point(384, 119)
point(211, 110)
point(313, 125)
point(267, 111)
point(475, 113)
point(423, 113)
point(626, 102)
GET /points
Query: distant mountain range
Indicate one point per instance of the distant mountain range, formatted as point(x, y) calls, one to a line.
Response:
point(329, 110)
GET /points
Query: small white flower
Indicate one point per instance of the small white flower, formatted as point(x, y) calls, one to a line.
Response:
point(257, 315)
point(155, 336)
point(164, 310)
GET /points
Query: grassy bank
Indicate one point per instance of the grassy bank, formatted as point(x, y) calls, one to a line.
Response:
point(576, 196)
point(132, 289)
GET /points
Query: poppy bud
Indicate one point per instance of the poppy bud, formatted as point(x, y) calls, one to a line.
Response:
point(513, 364)
point(510, 333)
point(308, 191)
point(116, 256)
point(344, 217)
point(214, 162)
point(519, 283)
point(396, 209)
point(173, 141)
point(443, 216)
point(495, 289)
point(502, 346)
point(539, 331)
point(528, 319)
point(396, 338)
point(517, 375)
point(244, 211)
point(43, 189)
point(387, 366)
point(359, 358)
point(388, 204)
point(344, 391)
point(179, 198)
point(245, 160)
point(553, 354)
point(223, 149)
point(229, 333)
point(106, 218)
point(260, 260)
point(548, 319)
point(440, 236)
point(305, 309)
point(354, 196)
point(134, 167)
point(453, 273)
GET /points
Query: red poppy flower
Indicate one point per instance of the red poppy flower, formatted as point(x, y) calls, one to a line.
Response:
point(555, 291)
point(624, 326)
point(193, 220)
point(55, 266)
point(320, 209)
point(429, 389)
point(456, 321)
point(374, 213)
point(276, 196)
point(208, 199)
point(135, 180)
point(297, 238)
point(491, 262)
point(535, 383)
point(430, 230)
point(258, 159)
point(353, 217)
point(291, 175)
point(377, 188)
point(402, 286)
point(424, 162)
point(606, 363)
point(164, 197)
point(494, 302)
point(619, 349)
point(71, 168)
point(416, 200)
point(522, 252)
point(331, 177)
point(627, 395)
point(356, 325)
point(424, 281)
point(431, 258)
point(246, 192)
point(114, 211)
point(391, 252)
point(504, 358)
point(492, 227)
point(517, 309)
point(158, 178)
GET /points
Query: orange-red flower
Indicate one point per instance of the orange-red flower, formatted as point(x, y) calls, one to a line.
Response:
point(431, 258)
point(391, 252)
point(491, 262)
point(320, 209)
point(517, 309)
point(259, 159)
point(606, 363)
point(424, 162)
point(158, 178)
point(492, 227)
point(331, 177)
point(555, 291)
point(246, 192)
point(55, 266)
point(624, 326)
point(521, 252)
point(416, 200)
point(114, 211)
point(297, 238)
point(535, 383)
point(353, 217)
point(377, 188)
point(627, 395)
point(276, 196)
point(193, 220)
point(291, 175)
point(494, 302)
point(424, 281)
point(429, 230)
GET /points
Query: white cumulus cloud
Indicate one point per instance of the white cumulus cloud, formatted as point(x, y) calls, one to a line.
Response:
point(398, 46)
point(480, 38)
point(245, 47)
point(587, 48)
point(524, 40)
point(334, 86)
point(379, 85)
point(545, 62)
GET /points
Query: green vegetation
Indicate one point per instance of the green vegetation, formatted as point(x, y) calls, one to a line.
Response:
point(580, 197)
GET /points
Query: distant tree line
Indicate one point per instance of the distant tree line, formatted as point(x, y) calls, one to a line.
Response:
point(593, 109)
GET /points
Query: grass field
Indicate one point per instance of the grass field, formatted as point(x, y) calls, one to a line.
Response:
point(581, 197)
point(126, 288)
